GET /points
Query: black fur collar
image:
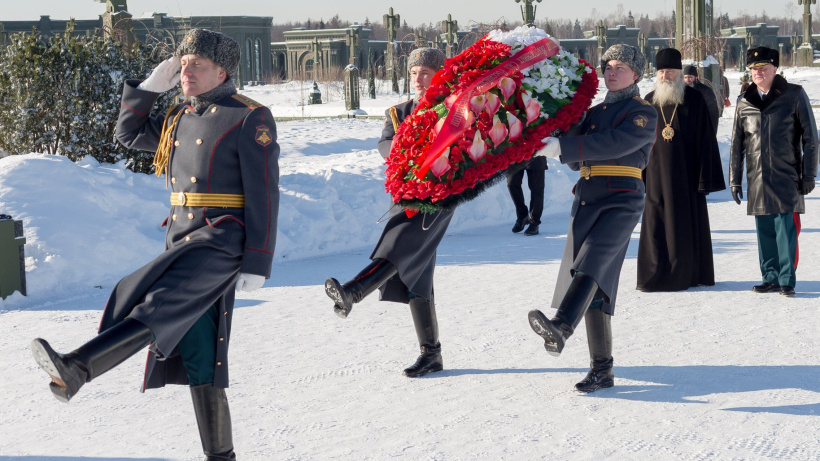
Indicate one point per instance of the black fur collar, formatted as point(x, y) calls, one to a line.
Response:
point(779, 86)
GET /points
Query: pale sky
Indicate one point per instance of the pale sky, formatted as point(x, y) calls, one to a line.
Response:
point(415, 12)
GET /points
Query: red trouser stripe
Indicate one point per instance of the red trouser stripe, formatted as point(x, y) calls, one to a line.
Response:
point(797, 239)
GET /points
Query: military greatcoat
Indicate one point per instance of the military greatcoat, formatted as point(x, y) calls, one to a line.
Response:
point(408, 243)
point(606, 209)
point(228, 147)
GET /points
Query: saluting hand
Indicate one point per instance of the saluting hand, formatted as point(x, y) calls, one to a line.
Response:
point(737, 194)
point(164, 77)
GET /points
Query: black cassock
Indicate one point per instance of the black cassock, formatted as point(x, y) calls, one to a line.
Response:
point(675, 249)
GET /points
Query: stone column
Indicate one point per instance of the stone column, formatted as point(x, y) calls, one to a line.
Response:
point(352, 88)
point(391, 23)
point(805, 53)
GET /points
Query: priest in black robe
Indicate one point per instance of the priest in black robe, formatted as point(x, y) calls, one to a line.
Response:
point(675, 249)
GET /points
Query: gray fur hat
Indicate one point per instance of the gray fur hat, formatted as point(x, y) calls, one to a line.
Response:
point(627, 54)
point(427, 57)
point(216, 46)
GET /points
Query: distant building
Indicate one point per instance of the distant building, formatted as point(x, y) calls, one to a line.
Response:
point(253, 33)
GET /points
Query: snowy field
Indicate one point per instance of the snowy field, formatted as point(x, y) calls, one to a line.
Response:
point(709, 373)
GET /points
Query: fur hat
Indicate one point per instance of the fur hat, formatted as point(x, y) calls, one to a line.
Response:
point(760, 56)
point(627, 54)
point(427, 57)
point(668, 58)
point(690, 70)
point(216, 46)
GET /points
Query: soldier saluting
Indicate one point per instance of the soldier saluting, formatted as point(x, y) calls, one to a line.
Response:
point(219, 153)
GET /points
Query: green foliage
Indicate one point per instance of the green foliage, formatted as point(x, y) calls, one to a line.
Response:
point(61, 95)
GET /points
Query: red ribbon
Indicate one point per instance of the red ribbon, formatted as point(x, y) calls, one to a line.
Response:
point(457, 121)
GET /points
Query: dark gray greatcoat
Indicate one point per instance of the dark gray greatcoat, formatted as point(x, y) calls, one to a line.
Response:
point(228, 148)
point(408, 243)
point(606, 209)
point(777, 139)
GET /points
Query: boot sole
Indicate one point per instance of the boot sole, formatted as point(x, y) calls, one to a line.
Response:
point(603, 385)
point(421, 373)
point(333, 291)
point(48, 360)
point(553, 340)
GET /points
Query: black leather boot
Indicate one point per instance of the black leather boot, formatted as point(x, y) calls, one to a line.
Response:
point(69, 372)
point(424, 318)
point(575, 303)
point(370, 278)
point(599, 337)
point(213, 417)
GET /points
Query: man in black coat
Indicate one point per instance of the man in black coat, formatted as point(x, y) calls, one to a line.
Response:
point(404, 259)
point(713, 104)
point(675, 249)
point(536, 174)
point(775, 135)
point(219, 153)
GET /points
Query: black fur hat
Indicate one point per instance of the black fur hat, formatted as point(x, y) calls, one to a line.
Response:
point(216, 46)
point(668, 58)
point(760, 56)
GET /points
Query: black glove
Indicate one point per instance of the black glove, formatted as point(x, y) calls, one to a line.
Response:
point(737, 194)
point(807, 186)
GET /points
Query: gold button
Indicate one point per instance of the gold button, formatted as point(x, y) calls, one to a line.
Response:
point(193, 179)
point(176, 143)
point(187, 111)
point(213, 109)
point(198, 142)
point(173, 180)
point(592, 127)
point(222, 339)
point(226, 313)
point(604, 107)
point(187, 238)
point(219, 363)
point(174, 217)
point(583, 202)
point(190, 216)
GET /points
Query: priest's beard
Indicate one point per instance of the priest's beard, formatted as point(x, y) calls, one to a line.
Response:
point(669, 91)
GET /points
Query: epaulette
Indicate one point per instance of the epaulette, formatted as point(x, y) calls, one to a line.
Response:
point(252, 105)
point(642, 101)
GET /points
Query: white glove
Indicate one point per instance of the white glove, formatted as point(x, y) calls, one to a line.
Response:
point(249, 282)
point(164, 77)
point(551, 149)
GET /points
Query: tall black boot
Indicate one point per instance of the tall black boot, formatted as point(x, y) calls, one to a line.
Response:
point(213, 417)
point(69, 372)
point(424, 318)
point(370, 278)
point(599, 337)
point(575, 303)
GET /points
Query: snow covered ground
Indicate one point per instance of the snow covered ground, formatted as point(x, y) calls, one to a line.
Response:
point(709, 373)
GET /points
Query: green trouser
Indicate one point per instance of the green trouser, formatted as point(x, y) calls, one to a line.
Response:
point(198, 348)
point(777, 247)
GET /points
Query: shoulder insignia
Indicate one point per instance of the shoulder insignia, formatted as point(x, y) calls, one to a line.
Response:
point(263, 137)
point(640, 120)
point(641, 100)
point(252, 105)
